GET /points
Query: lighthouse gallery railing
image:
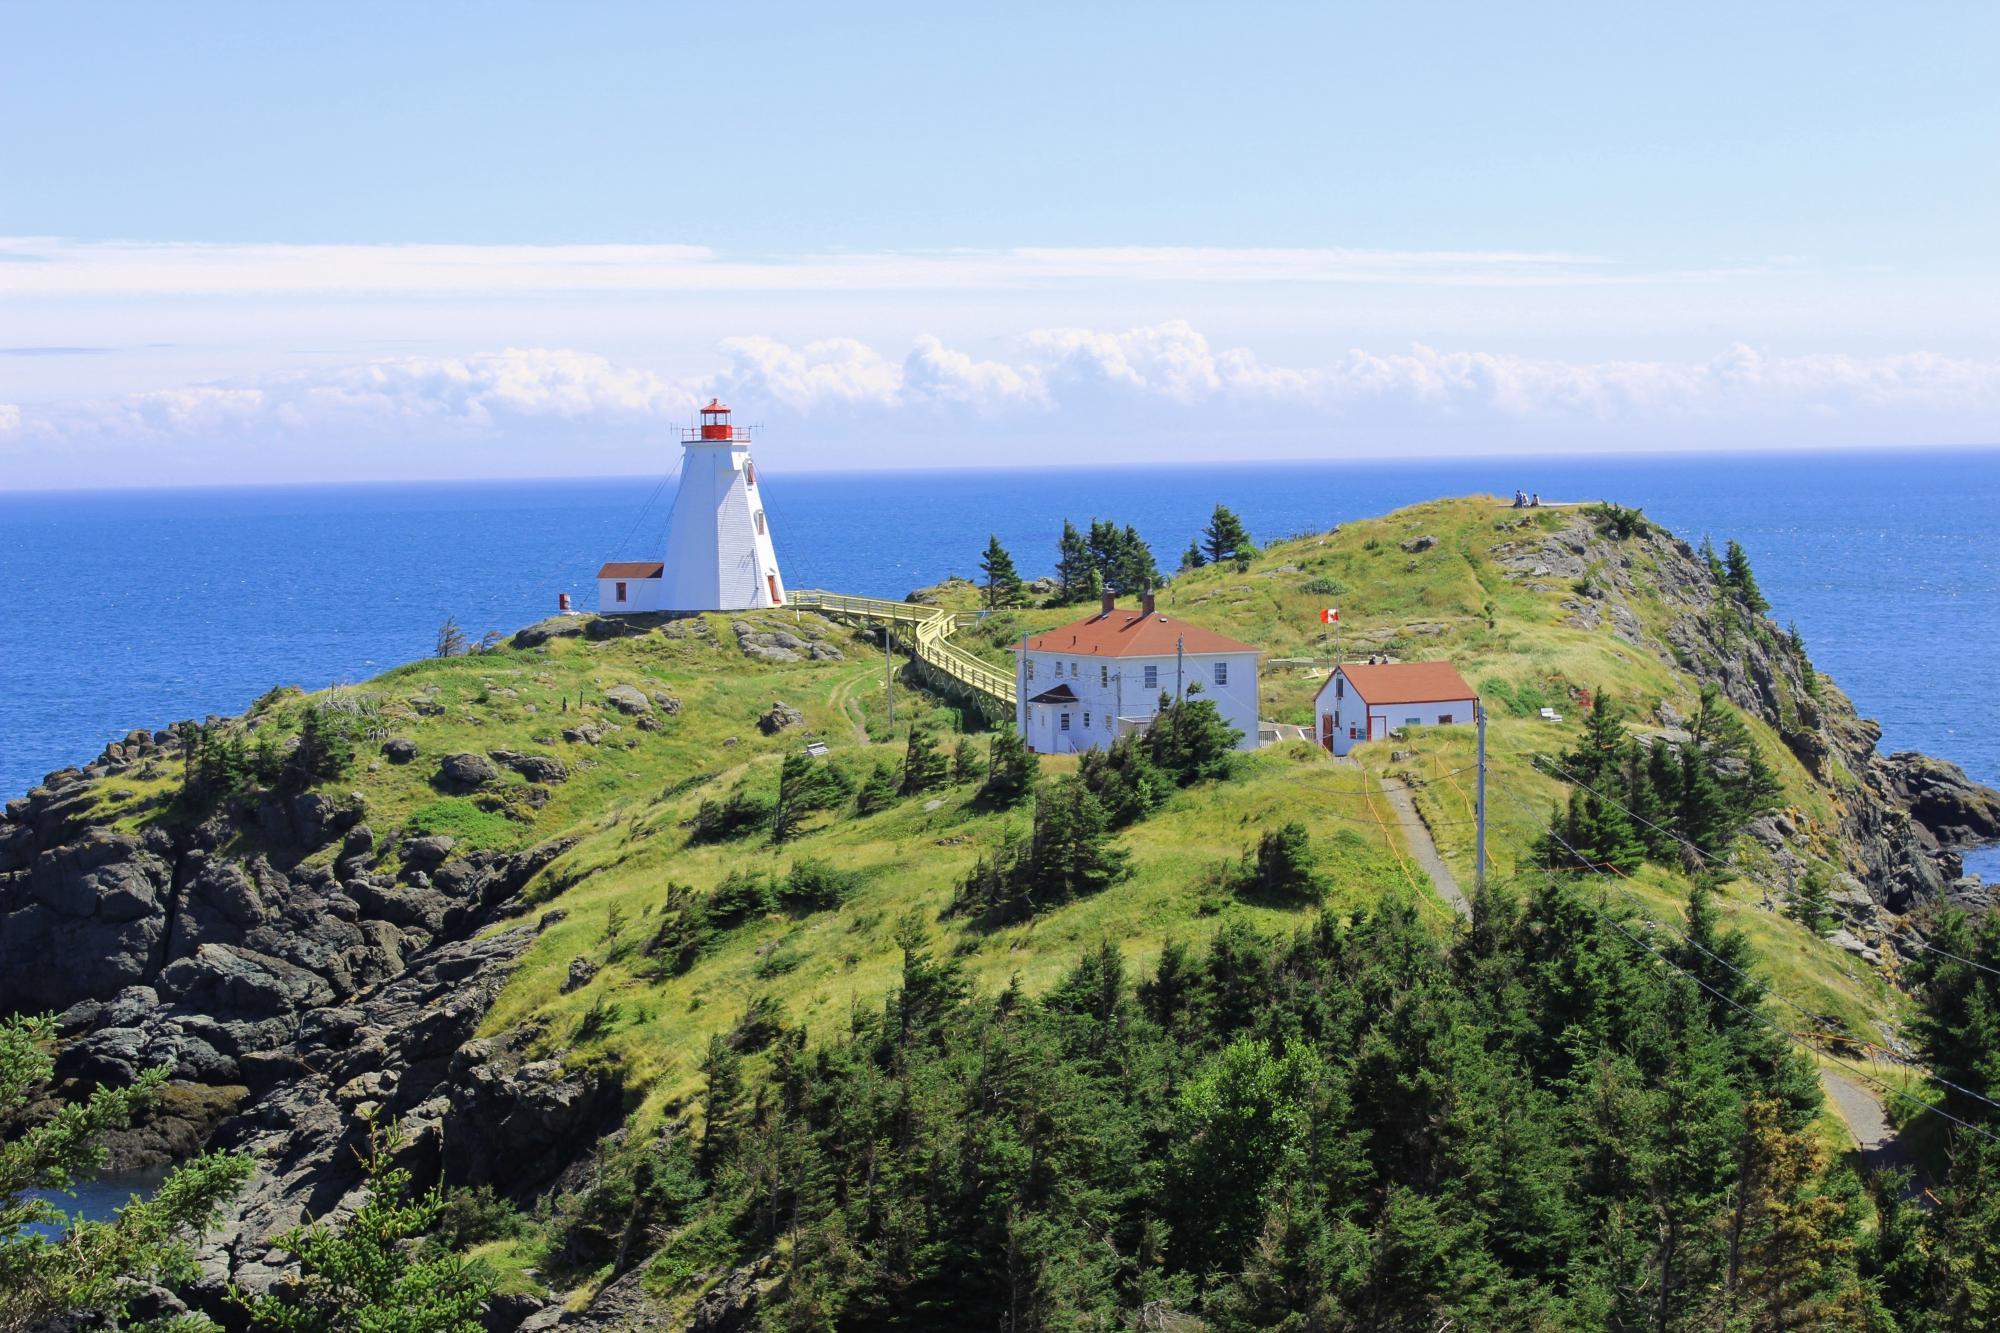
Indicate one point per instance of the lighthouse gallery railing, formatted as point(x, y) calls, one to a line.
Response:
point(931, 629)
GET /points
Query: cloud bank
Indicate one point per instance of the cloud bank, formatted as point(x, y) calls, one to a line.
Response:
point(1160, 391)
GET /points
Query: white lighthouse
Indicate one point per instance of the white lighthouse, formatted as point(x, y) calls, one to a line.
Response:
point(719, 555)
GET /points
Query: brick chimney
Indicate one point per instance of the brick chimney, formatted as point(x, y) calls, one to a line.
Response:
point(1146, 602)
point(1109, 604)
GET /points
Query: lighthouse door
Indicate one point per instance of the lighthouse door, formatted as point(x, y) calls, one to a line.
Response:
point(772, 581)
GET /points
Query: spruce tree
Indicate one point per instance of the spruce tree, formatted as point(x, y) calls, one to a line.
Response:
point(1010, 769)
point(1224, 539)
point(57, 1271)
point(924, 763)
point(1716, 569)
point(1737, 575)
point(1072, 854)
point(1074, 566)
point(1000, 582)
point(1192, 558)
point(1136, 570)
point(880, 790)
point(805, 784)
point(966, 766)
point(383, 1268)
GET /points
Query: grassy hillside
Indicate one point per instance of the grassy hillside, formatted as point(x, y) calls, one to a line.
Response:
point(1431, 581)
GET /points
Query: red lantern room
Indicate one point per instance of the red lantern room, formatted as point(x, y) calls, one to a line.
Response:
point(715, 425)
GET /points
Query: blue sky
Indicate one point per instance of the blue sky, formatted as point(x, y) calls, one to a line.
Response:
point(283, 242)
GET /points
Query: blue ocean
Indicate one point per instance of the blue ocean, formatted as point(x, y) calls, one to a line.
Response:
point(138, 608)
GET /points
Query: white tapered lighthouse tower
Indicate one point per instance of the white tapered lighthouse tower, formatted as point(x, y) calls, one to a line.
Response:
point(719, 555)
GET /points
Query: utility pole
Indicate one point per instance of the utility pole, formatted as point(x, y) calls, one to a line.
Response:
point(1179, 641)
point(1479, 836)
point(889, 669)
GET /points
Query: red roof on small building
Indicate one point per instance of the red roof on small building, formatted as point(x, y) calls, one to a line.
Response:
point(632, 569)
point(1124, 632)
point(1406, 682)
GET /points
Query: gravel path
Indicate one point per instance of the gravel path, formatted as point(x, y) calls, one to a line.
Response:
point(1423, 847)
point(1861, 1107)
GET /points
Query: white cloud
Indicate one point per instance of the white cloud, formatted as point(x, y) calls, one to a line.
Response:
point(1155, 391)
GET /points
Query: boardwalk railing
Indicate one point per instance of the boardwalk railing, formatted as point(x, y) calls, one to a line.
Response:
point(930, 629)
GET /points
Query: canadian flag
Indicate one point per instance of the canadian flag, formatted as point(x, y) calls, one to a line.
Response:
point(1329, 615)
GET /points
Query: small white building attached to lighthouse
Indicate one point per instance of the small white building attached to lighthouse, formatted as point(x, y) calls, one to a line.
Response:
point(719, 555)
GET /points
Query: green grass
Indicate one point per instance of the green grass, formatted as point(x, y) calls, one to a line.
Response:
point(626, 799)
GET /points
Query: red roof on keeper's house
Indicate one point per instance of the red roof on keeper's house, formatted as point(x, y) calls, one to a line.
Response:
point(632, 569)
point(1407, 682)
point(1121, 632)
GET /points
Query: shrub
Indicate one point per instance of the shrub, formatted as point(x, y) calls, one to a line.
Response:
point(739, 814)
point(881, 790)
point(1283, 869)
point(815, 885)
point(1010, 770)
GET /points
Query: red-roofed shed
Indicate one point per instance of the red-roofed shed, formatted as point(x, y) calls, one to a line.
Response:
point(1365, 701)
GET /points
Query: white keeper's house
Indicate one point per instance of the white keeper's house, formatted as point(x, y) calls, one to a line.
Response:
point(1082, 686)
point(719, 555)
point(1365, 701)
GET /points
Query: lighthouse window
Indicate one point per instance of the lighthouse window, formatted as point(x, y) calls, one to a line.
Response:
point(750, 477)
point(760, 522)
point(1222, 673)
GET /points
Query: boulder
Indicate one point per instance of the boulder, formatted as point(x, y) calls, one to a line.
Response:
point(465, 772)
point(586, 734)
point(778, 717)
point(629, 700)
point(581, 970)
point(533, 767)
point(1417, 545)
point(398, 750)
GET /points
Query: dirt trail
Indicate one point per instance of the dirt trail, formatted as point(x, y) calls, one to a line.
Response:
point(1860, 1106)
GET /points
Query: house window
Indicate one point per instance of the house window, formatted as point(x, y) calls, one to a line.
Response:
point(760, 522)
point(1103, 675)
point(1222, 673)
point(1065, 721)
point(1031, 668)
point(620, 594)
point(1444, 719)
point(1074, 673)
point(1152, 677)
point(1086, 722)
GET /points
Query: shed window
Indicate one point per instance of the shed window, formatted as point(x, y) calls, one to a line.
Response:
point(1413, 722)
point(620, 593)
point(1444, 719)
point(1222, 673)
point(1152, 677)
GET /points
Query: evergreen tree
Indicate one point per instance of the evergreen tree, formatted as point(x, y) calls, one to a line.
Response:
point(880, 790)
point(371, 1272)
point(1284, 869)
point(1190, 741)
point(1136, 570)
point(1074, 566)
point(966, 765)
point(1125, 780)
point(325, 749)
point(1741, 582)
point(1224, 539)
point(1223, 535)
point(924, 763)
point(1192, 558)
point(55, 1270)
point(805, 784)
point(1001, 584)
point(1713, 562)
point(1072, 854)
point(1010, 769)
point(1599, 759)
point(1588, 834)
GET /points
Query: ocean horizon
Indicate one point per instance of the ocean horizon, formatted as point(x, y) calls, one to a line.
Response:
point(140, 607)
